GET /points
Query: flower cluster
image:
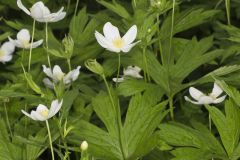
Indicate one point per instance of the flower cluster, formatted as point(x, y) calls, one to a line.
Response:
point(57, 75)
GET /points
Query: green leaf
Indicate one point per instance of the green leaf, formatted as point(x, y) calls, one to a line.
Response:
point(228, 126)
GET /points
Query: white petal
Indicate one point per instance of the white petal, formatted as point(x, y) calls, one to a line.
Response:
point(54, 17)
point(57, 73)
point(48, 83)
point(189, 100)
point(72, 75)
point(111, 32)
point(38, 11)
point(22, 7)
point(127, 47)
point(219, 100)
point(38, 116)
point(6, 58)
point(23, 35)
point(195, 93)
point(36, 44)
point(131, 35)
point(132, 72)
point(8, 47)
point(102, 40)
point(216, 91)
point(47, 71)
point(55, 107)
point(58, 17)
point(17, 43)
point(113, 49)
point(118, 80)
point(28, 115)
point(206, 100)
point(41, 108)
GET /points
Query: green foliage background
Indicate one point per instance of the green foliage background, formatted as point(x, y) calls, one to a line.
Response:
point(183, 43)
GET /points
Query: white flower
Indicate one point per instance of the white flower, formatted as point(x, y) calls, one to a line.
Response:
point(84, 146)
point(23, 40)
point(57, 75)
point(41, 13)
point(201, 98)
point(131, 71)
point(42, 113)
point(6, 52)
point(112, 40)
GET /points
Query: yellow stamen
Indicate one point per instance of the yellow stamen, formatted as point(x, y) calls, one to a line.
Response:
point(60, 76)
point(44, 113)
point(118, 43)
point(25, 43)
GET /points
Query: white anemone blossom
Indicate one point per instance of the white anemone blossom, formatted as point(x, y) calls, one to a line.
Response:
point(42, 113)
point(23, 40)
point(131, 71)
point(201, 98)
point(6, 52)
point(57, 75)
point(41, 13)
point(112, 40)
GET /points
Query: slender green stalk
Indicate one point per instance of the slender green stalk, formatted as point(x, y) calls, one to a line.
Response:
point(171, 107)
point(228, 10)
point(119, 66)
point(50, 140)
point(159, 41)
point(48, 57)
point(75, 13)
point(118, 119)
point(171, 33)
point(135, 4)
point(30, 52)
point(210, 122)
point(146, 72)
point(69, 64)
point(7, 119)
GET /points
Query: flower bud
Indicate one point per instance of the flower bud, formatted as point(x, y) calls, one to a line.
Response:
point(68, 44)
point(84, 146)
point(94, 66)
point(157, 4)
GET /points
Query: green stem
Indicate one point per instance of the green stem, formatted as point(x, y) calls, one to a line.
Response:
point(7, 119)
point(50, 140)
point(159, 41)
point(48, 57)
point(30, 53)
point(145, 65)
point(171, 34)
point(75, 13)
point(117, 118)
point(228, 10)
point(69, 64)
point(119, 66)
point(171, 107)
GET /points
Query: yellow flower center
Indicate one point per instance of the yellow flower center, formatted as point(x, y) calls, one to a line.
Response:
point(2, 54)
point(60, 76)
point(44, 113)
point(25, 43)
point(118, 43)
